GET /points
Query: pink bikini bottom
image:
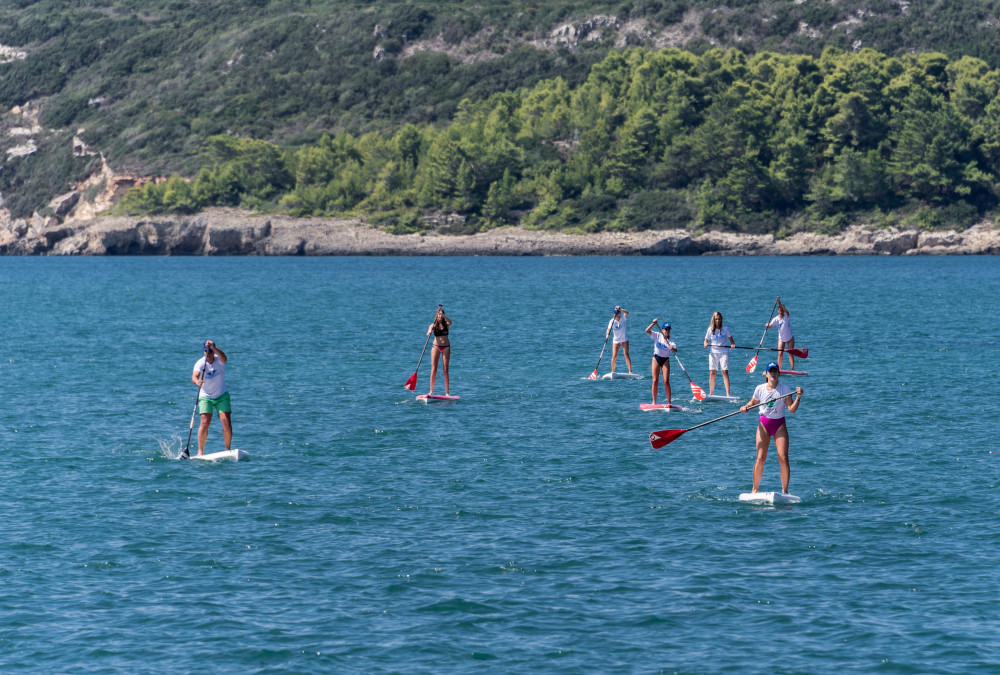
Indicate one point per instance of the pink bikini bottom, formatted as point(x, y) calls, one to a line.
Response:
point(772, 426)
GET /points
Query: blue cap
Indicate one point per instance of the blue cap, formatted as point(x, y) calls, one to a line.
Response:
point(665, 325)
point(772, 366)
point(615, 310)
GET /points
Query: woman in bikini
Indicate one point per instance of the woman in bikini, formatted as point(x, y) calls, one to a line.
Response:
point(441, 349)
point(776, 398)
point(662, 348)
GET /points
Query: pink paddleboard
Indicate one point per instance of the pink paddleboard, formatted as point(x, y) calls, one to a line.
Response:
point(794, 372)
point(660, 406)
point(427, 399)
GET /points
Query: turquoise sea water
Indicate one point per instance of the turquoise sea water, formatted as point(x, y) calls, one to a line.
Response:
point(528, 528)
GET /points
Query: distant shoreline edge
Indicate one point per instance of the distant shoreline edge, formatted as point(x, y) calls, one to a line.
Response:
point(233, 233)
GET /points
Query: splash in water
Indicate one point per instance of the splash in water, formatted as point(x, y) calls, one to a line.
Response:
point(171, 447)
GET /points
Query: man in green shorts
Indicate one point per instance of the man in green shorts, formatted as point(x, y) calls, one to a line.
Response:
point(210, 375)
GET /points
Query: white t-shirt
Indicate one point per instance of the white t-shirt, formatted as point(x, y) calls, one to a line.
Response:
point(717, 339)
point(618, 326)
point(775, 409)
point(661, 345)
point(215, 378)
point(784, 324)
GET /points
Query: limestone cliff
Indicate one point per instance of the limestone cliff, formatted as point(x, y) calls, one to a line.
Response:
point(226, 232)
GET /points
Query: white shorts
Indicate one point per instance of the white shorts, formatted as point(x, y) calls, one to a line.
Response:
point(718, 361)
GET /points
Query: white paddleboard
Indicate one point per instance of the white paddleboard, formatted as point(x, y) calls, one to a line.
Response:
point(425, 398)
point(661, 406)
point(234, 454)
point(720, 397)
point(621, 376)
point(769, 498)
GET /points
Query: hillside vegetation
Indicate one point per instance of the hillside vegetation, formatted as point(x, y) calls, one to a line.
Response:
point(653, 139)
point(315, 106)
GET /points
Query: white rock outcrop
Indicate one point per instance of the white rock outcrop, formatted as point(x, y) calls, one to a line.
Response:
point(226, 232)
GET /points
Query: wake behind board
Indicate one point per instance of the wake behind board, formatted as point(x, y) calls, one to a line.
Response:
point(794, 372)
point(621, 376)
point(661, 406)
point(234, 454)
point(426, 398)
point(720, 397)
point(770, 498)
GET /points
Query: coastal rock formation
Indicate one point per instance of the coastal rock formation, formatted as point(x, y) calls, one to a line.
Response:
point(225, 232)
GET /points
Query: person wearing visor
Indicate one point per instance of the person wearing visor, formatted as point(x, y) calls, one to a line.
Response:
point(213, 397)
point(662, 347)
point(441, 351)
point(777, 398)
point(617, 325)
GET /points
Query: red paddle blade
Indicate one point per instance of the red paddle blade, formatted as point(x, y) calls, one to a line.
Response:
point(593, 375)
point(411, 383)
point(660, 438)
point(697, 392)
point(799, 353)
point(752, 366)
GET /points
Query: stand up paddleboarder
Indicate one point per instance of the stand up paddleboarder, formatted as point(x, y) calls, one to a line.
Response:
point(785, 338)
point(663, 346)
point(777, 398)
point(214, 396)
point(617, 325)
point(441, 349)
point(718, 359)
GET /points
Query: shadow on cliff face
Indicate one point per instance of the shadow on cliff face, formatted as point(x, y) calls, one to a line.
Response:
point(683, 245)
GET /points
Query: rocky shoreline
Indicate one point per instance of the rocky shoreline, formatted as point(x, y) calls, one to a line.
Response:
point(222, 232)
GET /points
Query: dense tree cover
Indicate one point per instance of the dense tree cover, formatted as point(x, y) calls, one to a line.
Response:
point(150, 82)
point(654, 139)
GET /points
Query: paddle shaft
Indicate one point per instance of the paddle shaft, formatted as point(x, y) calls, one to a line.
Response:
point(738, 412)
point(187, 448)
point(794, 351)
point(683, 370)
point(606, 337)
point(761, 346)
point(420, 360)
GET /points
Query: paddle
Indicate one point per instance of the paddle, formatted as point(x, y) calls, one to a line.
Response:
point(411, 383)
point(696, 391)
point(186, 454)
point(752, 366)
point(797, 353)
point(593, 375)
point(658, 439)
